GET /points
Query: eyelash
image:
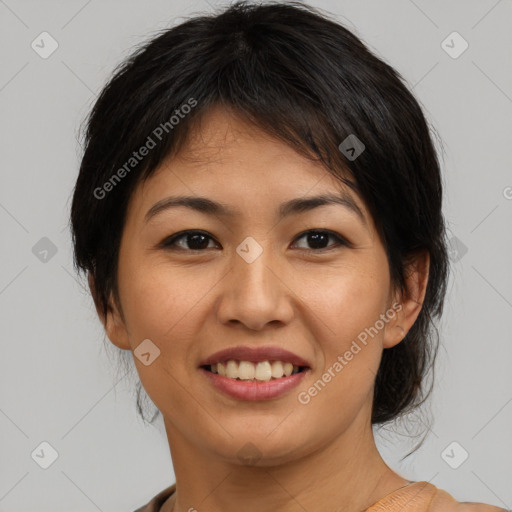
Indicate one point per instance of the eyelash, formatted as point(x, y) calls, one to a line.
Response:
point(170, 242)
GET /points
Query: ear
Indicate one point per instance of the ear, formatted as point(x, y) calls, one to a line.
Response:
point(407, 304)
point(113, 322)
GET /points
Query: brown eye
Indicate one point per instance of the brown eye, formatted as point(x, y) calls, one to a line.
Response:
point(199, 240)
point(319, 239)
point(188, 240)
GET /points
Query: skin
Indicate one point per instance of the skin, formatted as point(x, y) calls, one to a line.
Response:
point(315, 457)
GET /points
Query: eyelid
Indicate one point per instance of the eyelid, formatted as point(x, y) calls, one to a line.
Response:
point(169, 242)
point(340, 240)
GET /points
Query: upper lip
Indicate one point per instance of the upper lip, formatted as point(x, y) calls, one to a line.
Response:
point(255, 355)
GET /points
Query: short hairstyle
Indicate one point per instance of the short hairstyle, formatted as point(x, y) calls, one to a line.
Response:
point(299, 75)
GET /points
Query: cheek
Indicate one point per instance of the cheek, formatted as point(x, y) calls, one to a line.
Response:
point(158, 299)
point(348, 301)
point(158, 303)
point(349, 307)
point(344, 382)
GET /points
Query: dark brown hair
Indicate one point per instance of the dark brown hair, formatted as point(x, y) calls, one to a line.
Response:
point(305, 79)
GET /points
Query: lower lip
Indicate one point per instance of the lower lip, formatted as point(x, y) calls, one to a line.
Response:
point(253, 390)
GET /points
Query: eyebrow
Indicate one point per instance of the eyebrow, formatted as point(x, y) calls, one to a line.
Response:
point(298, 205)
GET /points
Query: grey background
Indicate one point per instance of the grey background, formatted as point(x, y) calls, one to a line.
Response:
point(57, 382)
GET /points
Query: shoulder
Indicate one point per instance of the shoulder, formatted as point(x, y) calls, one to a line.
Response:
point(426, 497)
point(445, 502)
point(158, 500)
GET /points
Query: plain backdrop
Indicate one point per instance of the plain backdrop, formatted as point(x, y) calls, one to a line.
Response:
point(59, 386)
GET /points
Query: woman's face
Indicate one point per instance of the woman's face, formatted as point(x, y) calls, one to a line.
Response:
point(258, 280)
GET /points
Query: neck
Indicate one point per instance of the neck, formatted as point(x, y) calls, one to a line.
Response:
point(347, 475)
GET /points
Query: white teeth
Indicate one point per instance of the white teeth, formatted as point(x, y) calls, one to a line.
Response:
point(262, 371)
point(232, 369)
point(246, 370)
point(277, 369)
point(288, 369)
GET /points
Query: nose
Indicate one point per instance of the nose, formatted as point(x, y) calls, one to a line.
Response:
point(255, 294)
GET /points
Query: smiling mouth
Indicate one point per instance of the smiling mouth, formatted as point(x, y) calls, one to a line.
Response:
point(263, 371)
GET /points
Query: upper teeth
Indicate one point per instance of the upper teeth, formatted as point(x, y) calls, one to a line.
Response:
point(245, 370)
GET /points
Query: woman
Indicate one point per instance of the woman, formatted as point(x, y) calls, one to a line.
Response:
point(258, 211)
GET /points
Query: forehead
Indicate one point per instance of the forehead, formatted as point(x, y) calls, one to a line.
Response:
point(223, 144)
point(234, 162)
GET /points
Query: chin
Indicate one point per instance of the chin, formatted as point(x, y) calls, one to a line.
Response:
point(262, 448)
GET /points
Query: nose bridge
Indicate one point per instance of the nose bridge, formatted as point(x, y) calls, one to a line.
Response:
point(254, 294)
point(251, 266)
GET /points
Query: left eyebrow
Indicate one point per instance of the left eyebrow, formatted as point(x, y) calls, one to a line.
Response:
point(298, 205)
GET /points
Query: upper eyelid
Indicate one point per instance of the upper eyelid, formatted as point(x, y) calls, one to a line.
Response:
point(340, 239)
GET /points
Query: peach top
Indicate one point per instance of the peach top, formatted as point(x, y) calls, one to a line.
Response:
point(414, 497)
